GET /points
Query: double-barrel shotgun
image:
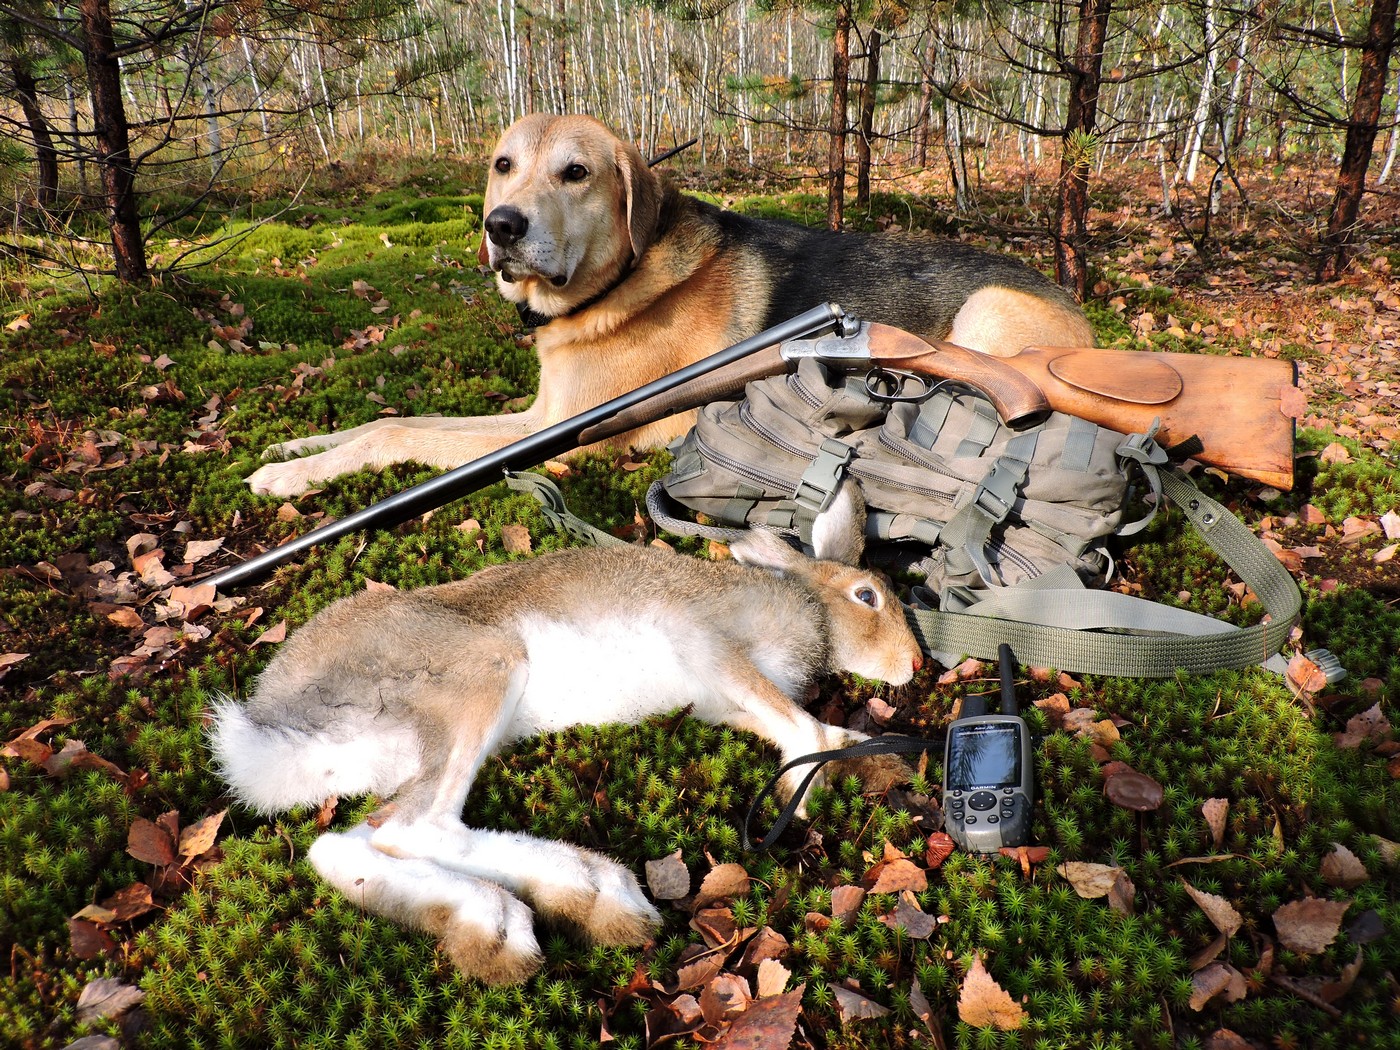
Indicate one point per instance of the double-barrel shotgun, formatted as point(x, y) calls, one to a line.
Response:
point(1235, 413)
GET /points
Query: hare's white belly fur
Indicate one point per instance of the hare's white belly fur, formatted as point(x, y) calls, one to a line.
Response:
point(613, 670)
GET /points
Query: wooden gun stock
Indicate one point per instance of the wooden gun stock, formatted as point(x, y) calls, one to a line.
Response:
point(1240, 409)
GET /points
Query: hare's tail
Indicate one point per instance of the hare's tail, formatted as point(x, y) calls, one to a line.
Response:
point(273, 767)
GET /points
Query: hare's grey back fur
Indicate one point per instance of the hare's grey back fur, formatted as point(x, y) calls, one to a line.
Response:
point(408, 693)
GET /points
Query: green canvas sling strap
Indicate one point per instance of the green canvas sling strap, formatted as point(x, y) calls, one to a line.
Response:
point(1054, 620)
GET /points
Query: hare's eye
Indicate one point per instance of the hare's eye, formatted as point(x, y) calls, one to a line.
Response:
point(867, 596)
point(503, 165)
point(575, 173)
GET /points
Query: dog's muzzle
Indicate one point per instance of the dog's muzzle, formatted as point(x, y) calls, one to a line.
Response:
point(506, 225)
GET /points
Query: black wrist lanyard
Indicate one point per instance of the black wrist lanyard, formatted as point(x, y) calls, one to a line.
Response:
point(893, 744)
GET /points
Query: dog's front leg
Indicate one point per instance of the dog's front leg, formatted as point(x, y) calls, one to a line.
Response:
point(437, 442)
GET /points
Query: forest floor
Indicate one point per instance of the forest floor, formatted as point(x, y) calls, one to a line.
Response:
point(1253, 902)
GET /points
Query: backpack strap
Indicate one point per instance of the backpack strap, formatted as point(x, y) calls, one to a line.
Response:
point(1148, 640)
point(556, 512)
point(1052, 622)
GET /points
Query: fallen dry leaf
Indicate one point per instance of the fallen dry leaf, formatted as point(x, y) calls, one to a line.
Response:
point(768, 1023)
point(853, 1006)
point(895, 876)
point(1088, 879)
point(1122, 895)
point(1343, 868)
point(87, 940)
point(772, 978)
point(1309, 925)
point(106, 997)
point(150, 842)
point(1306, 676)
point(766, 944)
point(910, 918)
point(1215, 810)
point(846, 902)
point(1218, 910)
point(516, 539)
point(273, 635)
point(983, 1003)
point(197, 549)
point(8, 660)
point(724, 998)
point(199, 837)
point(1217, 979)
point(668, 878)
point(724, 882)
point(1369, 727)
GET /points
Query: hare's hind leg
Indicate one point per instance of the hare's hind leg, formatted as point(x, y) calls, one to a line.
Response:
point(593, 893)
point(485, 931)
point(598, 896)
point(564, 882)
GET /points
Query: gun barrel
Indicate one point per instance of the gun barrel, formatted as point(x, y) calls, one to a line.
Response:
point(561, 438)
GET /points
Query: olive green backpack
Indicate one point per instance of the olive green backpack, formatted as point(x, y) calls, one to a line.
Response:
point(1010, 529)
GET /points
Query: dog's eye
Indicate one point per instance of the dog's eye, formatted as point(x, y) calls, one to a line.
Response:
point(867, 596)
point(575, 173)
point(503, 165)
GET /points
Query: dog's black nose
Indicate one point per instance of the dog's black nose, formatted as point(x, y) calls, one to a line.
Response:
point(506, 225)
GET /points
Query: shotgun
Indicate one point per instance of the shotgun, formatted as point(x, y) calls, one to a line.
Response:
point(1240, 410)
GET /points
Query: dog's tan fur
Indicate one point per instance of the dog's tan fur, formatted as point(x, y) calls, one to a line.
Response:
point(673, 282)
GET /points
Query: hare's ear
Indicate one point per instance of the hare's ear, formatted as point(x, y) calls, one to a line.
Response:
point(766, 549)
point(838, 533)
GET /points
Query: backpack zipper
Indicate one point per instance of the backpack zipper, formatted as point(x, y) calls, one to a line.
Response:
point(769, 479)
point(856, 467)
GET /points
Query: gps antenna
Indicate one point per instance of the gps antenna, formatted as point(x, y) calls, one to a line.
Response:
point(1009, 705)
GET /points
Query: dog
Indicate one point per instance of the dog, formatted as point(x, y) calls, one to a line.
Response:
point(630, 280)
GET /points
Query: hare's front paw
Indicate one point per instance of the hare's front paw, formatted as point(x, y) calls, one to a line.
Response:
point(877, 773)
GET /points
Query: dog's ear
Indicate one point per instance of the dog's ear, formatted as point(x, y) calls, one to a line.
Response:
point(642, 193)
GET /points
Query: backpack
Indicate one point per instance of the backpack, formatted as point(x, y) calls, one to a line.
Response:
point(1009, 528)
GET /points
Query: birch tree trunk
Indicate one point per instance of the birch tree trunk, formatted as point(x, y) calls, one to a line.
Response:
point(1201, 118)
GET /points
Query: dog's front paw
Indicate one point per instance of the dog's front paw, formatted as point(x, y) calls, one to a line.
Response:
point(282, 479)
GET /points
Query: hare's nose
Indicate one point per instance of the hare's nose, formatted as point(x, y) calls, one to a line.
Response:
point(918, 662)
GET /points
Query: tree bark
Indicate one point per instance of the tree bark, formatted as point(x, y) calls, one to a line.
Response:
point(1071, 230)
point(1361, 139)
point(26, 90)
point(869, 89)
point(112, 139)
point(840, 93)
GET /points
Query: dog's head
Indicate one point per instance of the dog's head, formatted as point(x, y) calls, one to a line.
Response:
point(569, 207)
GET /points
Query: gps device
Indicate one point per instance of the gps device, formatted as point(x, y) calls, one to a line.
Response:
point(988, 773)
